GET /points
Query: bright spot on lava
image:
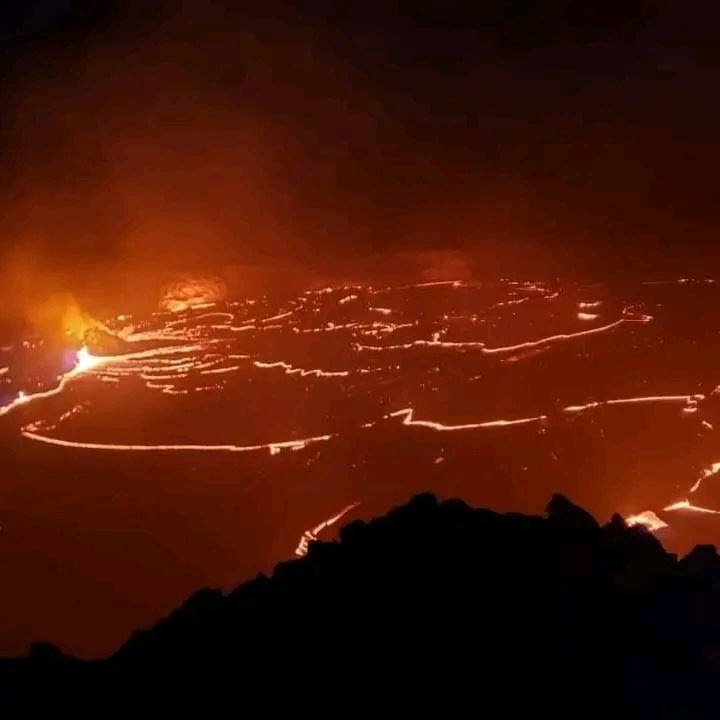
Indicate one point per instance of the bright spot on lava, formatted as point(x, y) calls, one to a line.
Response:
point(84, 360)
point(647, 519)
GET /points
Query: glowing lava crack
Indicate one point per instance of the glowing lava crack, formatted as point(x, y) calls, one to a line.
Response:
point(366, 339)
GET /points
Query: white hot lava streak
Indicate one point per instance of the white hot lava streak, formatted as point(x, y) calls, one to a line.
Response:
point(687, 505)
point(708, 472)
point(690, 401)
point(506, 348)
point(85, 362)
point(290, 370)
point(311, 535)
point(435, 283)
point(273, 448)
point(407, 415)
point(647, 519)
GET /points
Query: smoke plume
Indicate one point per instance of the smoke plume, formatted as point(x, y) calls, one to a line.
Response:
point(190, 142)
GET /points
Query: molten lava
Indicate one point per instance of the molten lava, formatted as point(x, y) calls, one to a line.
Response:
point(365, 335)
point(85, 361)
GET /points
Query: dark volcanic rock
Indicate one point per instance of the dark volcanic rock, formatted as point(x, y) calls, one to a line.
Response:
point(703, 560)
point(435, 610)
point(562, 513)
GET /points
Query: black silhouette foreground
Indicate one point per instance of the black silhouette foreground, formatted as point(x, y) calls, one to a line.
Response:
point(435, 610)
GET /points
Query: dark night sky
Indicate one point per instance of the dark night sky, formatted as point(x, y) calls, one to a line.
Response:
point(318, 129)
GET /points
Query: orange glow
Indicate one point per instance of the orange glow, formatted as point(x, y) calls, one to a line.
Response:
point(61, 316)
point(210, 183)
point(684, 504)
point(85, 361)
point(687, 505)
point(186, 352)
point(647, 519)
point(177, 369)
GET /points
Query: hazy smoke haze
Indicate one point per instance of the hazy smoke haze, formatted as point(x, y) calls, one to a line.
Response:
point(201, 138)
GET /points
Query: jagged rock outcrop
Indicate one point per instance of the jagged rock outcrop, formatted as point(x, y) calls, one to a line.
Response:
point(437, 609)
point(564, 514)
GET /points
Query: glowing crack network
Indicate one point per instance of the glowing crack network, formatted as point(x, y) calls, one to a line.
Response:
point(398, 346)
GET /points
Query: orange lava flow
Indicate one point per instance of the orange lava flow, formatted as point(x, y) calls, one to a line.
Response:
point(561, 337)
point(84, 362)
point(647, 519)
point(192, 348)
point(687, 505)
point(653, 523)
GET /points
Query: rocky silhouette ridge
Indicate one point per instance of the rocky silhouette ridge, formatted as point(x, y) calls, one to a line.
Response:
point(435, 609)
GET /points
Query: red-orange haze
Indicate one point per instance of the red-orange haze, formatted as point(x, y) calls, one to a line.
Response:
point(200, 140)
point(192, 145)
